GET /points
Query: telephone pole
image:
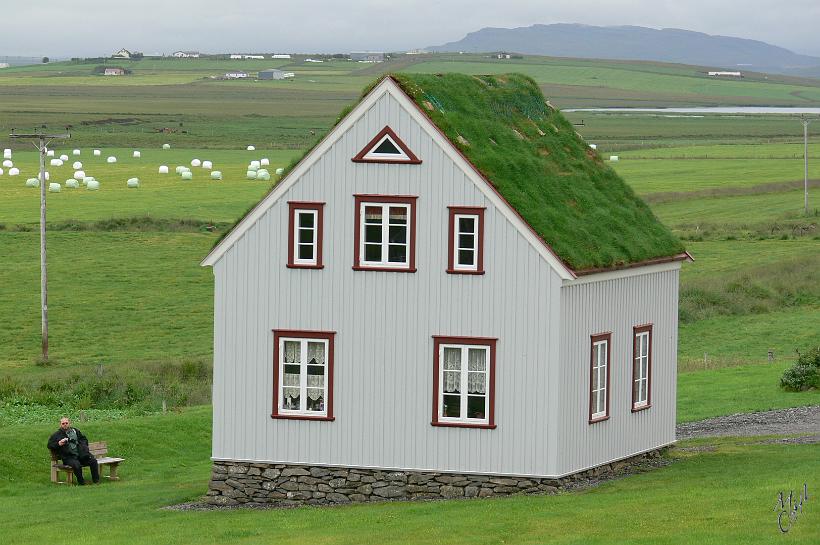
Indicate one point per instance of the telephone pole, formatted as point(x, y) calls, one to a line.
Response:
point(805, 123)
point(42, 142)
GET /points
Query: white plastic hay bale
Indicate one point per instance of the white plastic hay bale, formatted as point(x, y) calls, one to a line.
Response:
point(48, 176)
point(166, 146)
point(14, 171)
point(132, 183)
point(97, 153)
point(187, 175)
point(163, 169)
point(196, 162)
point(92, 185)
point(79, 174)
point(75, 152)
point(264, 162)
point(1, 171)
point(7, 153)
point(207, 165)
point(250, 175)
point(280, 171)
point(54, 187)
point(50, 153)
point(87, 179)
point(56, 163)
point(613, 158)
point(64, 157)
point(77, 165)
point(71, 182)
point(32, 182)
point(136, 154)
point(180, 169)
point(111, 159)
point(264, 176)
point(251, 148)
point(216, 175)
point(255, 165)
point(7, 163)
point(593, 146)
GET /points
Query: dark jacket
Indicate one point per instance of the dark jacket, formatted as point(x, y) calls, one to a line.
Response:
point(63, 451)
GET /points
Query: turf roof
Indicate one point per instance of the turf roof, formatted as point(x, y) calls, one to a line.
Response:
point(531, 154)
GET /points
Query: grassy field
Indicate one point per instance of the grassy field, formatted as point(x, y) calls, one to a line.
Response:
point(721, 491)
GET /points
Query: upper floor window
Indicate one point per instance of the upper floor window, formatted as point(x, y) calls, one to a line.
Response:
point(385, 236)
point(599, 377)
point(466, 244)
point(464, 382)
point(303, 374)
point(305, 226)
point(641, 367)
point(386, 147)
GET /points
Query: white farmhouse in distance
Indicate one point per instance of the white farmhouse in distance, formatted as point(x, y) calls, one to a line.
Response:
point(390, 322)
point(186, 54)
point(280, 56)
point(236, 56)
point(122, 54)
point(723, 73)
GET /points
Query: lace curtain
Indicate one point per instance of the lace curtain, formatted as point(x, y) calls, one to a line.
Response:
point(316, 354)
point(292, 352)
point(476, 365)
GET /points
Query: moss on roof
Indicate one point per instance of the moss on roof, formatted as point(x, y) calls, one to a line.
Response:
point(532, 155)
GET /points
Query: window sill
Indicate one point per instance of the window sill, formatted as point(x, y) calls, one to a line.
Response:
point(599, 419)
point(641, 408)
point(384, 269)
point(300, 266)
point(457, 271)
point(463, 425)
point(303, 417)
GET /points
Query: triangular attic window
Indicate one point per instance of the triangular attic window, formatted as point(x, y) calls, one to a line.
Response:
point(386, 147)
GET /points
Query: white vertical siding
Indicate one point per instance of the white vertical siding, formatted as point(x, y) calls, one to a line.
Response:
point(616, 306)
point(384, 323)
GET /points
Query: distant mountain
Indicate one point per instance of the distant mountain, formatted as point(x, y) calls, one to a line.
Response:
point(637, 43)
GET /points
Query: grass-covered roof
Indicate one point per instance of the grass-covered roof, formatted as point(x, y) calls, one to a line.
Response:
point(531, 154)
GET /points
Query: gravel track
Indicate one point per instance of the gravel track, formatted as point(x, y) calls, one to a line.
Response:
point(797, 420)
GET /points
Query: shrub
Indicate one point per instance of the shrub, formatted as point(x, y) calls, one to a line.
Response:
point(803, 375)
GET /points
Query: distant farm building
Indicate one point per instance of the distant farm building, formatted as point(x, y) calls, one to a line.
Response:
point(280, 56)
point(234, 56)
point(367, 56)
point(122, 54)
point(724, 74)
point(314, 60)
point(186, 54)
point(4, 65)
point(114, 72)
point(253, 56)
point(274, 73)
point(235, 75)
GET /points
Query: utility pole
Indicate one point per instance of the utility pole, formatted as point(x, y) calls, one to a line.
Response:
point(805, 123)
point(43, 140)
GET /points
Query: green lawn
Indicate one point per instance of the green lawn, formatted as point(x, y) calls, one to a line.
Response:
point(722, 496)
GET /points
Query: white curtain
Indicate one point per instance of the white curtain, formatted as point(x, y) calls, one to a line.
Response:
point(316, 353)
point(476, 383)
point(477, 359)
point(292, 352)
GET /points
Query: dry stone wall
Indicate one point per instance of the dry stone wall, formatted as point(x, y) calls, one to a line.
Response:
point(252, 484)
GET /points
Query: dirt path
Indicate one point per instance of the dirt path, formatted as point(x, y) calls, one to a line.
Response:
point(798, 420)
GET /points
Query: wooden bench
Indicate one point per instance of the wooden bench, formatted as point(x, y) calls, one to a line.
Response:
point(100, 451)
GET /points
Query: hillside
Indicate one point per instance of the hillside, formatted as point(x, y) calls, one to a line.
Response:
point(637, 43)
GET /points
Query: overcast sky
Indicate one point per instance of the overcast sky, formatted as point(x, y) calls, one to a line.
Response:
point(94, 27)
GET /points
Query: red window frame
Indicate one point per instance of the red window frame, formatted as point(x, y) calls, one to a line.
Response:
point(328, 336)
point(295, 206)
point(646, 328)
point(385, 199)
point(490, 342)
point(451, 249)
point(594, 339)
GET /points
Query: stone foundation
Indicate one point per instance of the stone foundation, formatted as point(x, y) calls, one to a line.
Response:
point(285, 485)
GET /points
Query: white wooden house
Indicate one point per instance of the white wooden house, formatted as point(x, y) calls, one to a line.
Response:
point(386, 312)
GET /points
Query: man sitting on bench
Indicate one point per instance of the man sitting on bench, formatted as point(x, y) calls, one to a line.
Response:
point(72, 448)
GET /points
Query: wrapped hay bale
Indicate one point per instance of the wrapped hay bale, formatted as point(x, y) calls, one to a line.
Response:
point(195, 162)
point(207, 165)
point(50, 153)
point(264, 162)
point(216, 175)
point(593, 146)
point(111, 159)
point(77, 165)
point(255, 165)
point(180, 169)
point(56, 163)
point(250, 175)
point(75, 152)
point(97, 153)
point(613, 158)
point(166, 146)
point(32, 182)
point(251, 148)
point(87, 179)
point(54, 187)
point(71, 182)
point(264, 176)
point(163, 169)
point(132, 183)
point(92, 185)
point(14, 171)
point(280, 171)
point(7, 153)
point(64, 157)
point(7, 163)
point(187, 175)
point(1, 171)
point(136, 154)
point(79, 174)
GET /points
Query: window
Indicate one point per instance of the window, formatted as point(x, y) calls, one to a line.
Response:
point(641, 367)
point(466, 245)
point(464, 382)
point(305, 226)
point(385, 236)
point(303, 374)
point(599, 378)
point(386, 147)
